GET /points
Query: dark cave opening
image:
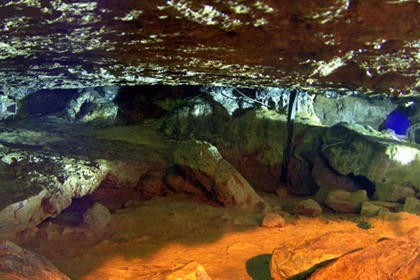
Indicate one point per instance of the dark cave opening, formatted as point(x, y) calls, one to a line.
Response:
point(364, 183)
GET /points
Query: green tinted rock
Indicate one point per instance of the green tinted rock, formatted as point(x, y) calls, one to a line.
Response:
point(361, 151)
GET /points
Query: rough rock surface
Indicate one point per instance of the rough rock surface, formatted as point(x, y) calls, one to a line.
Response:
point(346, 202)
point(370, 44)
point(289, 261)
point(370, 209)
point(82, 106)
point(227, 242)
point(252, 142)
point(308, 207)
point(412, 205)
point(22, 264)
point(43, 169)
point(191, 271)
point(97, 217)
point(370, 111)
point(35, 186)
point(327, 178)
point(388, 164)
point(190, 119)
point(202, 163)
point(388, 259)
point(272, 220)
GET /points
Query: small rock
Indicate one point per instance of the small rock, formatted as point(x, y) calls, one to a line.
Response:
point(370, 210)
point(281, 192)
point(191, 271)
point(392, 206)
point(308, 207)
point(97, 217)
point(364, 225)
point(272, 220)
point(399, 193)
point(411, 205)
point(346, 202)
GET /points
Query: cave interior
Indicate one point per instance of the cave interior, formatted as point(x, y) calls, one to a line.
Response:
point(209, 140)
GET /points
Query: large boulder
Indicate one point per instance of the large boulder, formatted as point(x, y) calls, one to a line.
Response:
point(198, 117)
point(308, 207)
point(36, 186)
point(290, 260)
point(22, 264)
point(200, 162)
point(388, 259)
point(88, 107)
point(346, 202)
point(354, 109)
point(97, 218)
point(327, 178)
point(388, 164)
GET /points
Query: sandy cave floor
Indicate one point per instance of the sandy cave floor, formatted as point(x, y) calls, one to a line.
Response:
point(162, 234)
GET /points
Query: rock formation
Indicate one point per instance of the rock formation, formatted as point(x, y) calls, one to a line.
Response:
point(201, 163)
point(19, 263)
point(371, 45)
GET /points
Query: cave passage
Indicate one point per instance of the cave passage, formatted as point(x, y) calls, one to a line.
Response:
point(152, 181)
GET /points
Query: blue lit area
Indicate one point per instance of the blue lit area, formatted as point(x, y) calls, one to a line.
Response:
point(398, 122)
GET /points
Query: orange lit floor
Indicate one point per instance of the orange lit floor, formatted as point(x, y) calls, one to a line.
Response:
point(159, 235)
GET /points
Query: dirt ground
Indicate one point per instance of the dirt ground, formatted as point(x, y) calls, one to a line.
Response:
point(149, 238)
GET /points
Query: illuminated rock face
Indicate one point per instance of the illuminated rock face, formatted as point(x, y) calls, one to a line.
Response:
point(370, 45)
point(391, 165)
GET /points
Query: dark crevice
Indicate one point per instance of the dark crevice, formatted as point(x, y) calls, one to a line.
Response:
point(364, 183)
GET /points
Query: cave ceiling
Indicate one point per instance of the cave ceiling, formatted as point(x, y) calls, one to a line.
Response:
point(371, 46)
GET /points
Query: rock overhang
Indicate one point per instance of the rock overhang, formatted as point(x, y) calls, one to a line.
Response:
point(371, 46)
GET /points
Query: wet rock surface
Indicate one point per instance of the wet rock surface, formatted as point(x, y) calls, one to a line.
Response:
point(70, 44)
